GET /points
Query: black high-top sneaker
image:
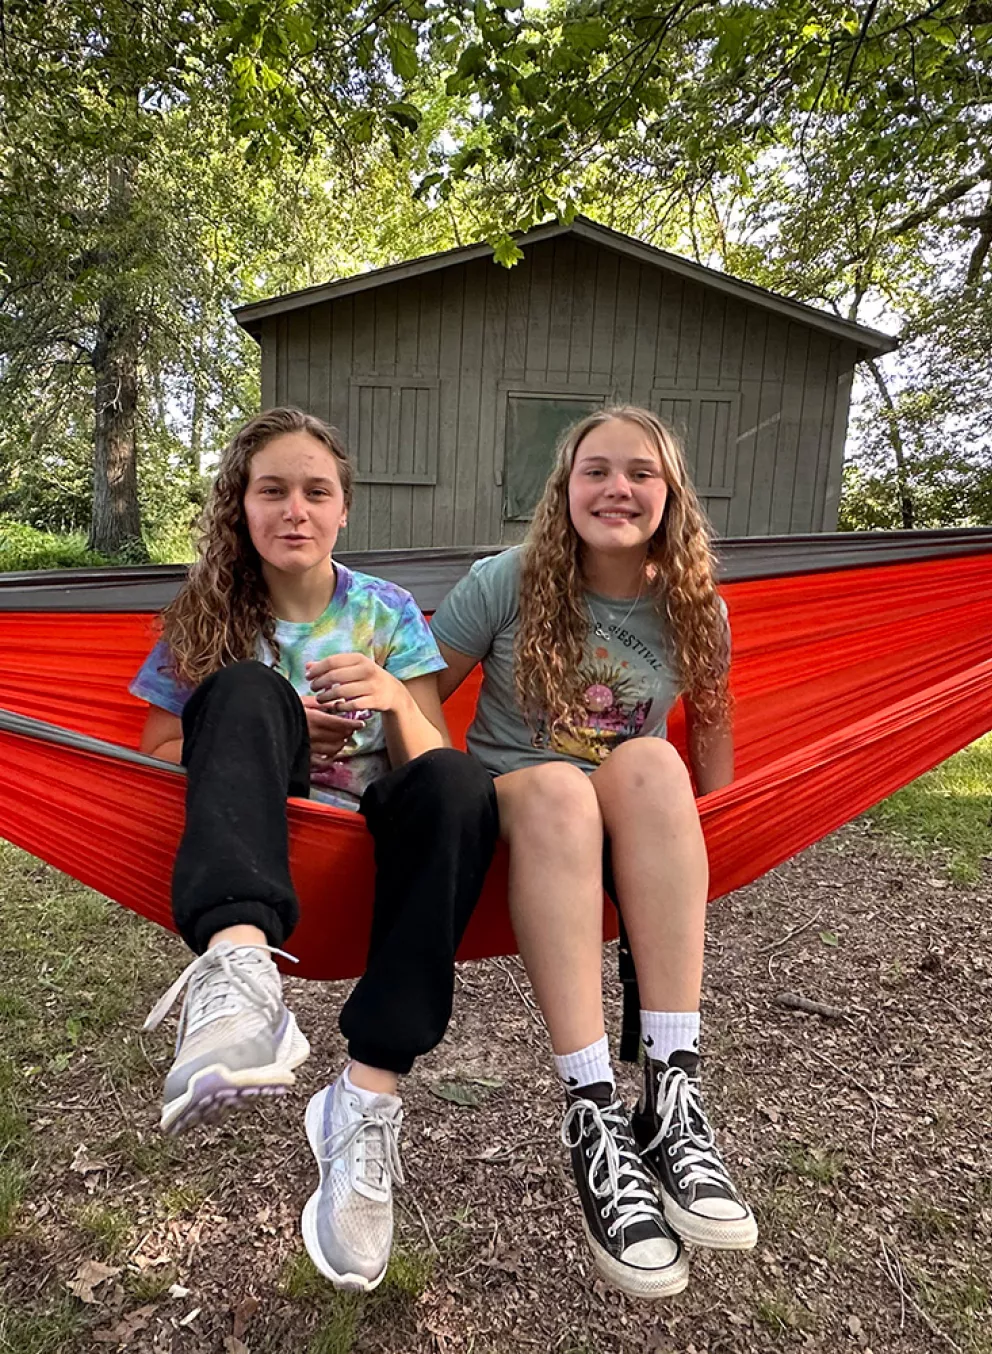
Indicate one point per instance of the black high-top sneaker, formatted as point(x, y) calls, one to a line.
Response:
point(633, 1247)
point(677, 1144)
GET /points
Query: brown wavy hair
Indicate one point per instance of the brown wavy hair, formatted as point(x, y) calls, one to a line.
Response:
point(679, 573)
point(223, 608)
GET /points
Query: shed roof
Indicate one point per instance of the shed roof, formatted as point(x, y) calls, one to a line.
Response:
point(872, 341)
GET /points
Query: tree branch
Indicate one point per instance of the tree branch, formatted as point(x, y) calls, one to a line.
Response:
point(944, 199)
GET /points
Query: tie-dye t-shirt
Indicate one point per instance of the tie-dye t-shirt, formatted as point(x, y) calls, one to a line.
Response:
point(628, 672)
point(366, 615)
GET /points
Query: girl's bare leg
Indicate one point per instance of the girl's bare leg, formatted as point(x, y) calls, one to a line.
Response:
point(550, 818)
point(660, 867)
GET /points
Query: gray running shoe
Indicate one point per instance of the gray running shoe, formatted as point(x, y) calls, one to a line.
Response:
point(348, 1220)
point(236, 1040)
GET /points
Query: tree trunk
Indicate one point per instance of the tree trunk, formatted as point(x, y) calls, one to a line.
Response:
point(116, 523)
point(196, 423)
point(906, 507)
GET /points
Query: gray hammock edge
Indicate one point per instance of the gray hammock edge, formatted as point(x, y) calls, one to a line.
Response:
point(430, 573)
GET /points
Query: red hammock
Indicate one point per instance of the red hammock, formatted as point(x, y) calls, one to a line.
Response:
point(848, 684)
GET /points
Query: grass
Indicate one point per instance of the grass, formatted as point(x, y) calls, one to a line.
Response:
point(70, 963)
point(39, 1332)
point(340, 1315)
point(928, 1221)
point(151, 1284)
point(13, 1179)
point(780, 1312)
point(821, 1165)
point(960, 1306)
point(949, 810)
point(109, 1231)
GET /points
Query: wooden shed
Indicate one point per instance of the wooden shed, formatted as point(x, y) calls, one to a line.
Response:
point(451, 379)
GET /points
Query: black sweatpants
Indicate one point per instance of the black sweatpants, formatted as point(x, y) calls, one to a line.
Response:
point(434, 822)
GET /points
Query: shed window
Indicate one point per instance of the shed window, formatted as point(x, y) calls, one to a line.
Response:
point(534, 426)
point(392, 429)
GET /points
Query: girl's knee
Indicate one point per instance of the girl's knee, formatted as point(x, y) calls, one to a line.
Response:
point(643, 765)
point(247, 675)
point(449, 772)
point(554, 800)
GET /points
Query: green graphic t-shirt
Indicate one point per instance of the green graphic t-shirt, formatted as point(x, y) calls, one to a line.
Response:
point(628, 673)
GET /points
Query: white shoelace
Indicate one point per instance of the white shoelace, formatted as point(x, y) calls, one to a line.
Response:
point(212, 975)
point(680, 1101)
point(380, 1130)
point(624, 1183)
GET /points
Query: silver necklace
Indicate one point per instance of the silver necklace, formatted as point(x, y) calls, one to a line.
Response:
point(597, 627)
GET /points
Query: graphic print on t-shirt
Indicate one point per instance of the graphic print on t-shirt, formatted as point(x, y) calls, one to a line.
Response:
point(616, 698)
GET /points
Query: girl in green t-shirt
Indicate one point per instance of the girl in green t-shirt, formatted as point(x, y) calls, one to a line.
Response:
point(610, 803)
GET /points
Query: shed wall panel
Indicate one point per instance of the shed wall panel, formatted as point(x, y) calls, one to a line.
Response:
point(449, 366)
point(320, 362)
point(604, 315)
point(788, 462)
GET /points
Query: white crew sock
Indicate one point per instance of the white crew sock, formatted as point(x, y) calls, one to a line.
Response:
point(588, 1065)
point(665, 1032)
point(366, 1097)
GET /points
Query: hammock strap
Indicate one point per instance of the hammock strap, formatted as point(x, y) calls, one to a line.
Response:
point(630, 1024)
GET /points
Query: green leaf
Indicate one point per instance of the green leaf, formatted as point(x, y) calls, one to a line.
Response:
point(469, 1093)
point(425, 185)
point(401, 41)
point(408, 115)
point(471, 62)
point(830, 938)
point(507, 252)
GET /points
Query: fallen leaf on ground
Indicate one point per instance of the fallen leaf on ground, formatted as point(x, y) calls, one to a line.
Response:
point(467, 1091)
point(127, 1327)
point(243, 1313)
point(89, 1276)
point(84, 1164)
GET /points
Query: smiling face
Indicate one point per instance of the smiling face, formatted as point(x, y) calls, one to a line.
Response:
point(294, 503)
point(616, 489)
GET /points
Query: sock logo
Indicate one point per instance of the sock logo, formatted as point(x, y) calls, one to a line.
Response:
point(571, 1081)
point(647, 1041)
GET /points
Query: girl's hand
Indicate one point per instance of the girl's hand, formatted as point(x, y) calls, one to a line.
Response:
point(350, 682)
point(329, 734)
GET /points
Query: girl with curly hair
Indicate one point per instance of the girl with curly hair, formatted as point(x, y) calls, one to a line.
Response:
point(587, 634)
point(281, 672)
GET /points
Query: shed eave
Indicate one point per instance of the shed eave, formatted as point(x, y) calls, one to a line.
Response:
point(872, 342)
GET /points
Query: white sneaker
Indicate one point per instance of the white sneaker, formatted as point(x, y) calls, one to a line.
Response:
point(237, 1040)
point(348, 1220)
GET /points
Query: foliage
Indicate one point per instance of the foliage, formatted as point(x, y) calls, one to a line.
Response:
point(163, 162)
point(23, 547)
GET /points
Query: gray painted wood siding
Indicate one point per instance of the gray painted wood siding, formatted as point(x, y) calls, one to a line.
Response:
point(418, 373)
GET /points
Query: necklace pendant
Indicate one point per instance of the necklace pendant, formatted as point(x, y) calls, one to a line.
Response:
point(599, 632)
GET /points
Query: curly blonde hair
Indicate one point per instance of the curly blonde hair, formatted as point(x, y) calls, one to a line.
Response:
point(679, 574)
point(223, 608)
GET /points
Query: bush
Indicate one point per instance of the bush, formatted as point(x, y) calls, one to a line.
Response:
point(23, 547)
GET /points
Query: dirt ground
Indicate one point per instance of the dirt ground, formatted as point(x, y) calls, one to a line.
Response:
point(862, 1139)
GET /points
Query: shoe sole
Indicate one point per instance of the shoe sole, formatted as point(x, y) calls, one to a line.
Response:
point(638, 1283)
point(349, 1283)
point(715, 1234)
point(216, 1089)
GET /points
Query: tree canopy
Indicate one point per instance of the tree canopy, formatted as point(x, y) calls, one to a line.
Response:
point(161, 162)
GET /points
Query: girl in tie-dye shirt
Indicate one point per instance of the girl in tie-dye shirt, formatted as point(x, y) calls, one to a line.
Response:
point(279, 670)
point(365, 615)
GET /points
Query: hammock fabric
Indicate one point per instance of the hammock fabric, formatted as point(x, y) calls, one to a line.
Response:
point(848, 684)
